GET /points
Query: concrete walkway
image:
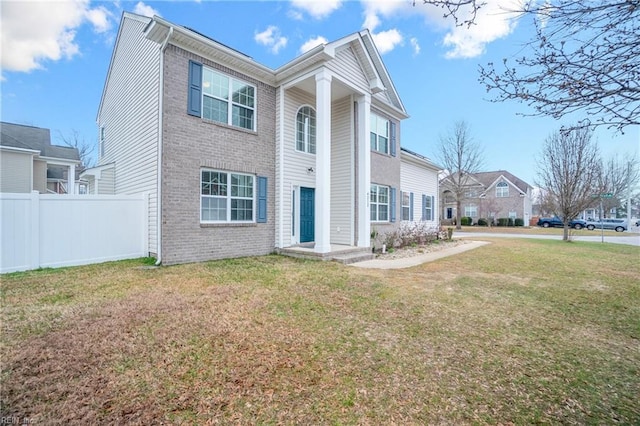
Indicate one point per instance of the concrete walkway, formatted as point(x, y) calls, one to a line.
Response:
point(407, 262)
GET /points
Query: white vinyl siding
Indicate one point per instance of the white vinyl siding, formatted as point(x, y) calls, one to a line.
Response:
point(296, 164)
point(421, 181)
point(347, 67)
point(342, 173)
point(129, 115)
point(17, 172)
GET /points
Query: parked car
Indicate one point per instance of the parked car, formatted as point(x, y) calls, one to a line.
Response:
point(619, 225)
point(556, 222)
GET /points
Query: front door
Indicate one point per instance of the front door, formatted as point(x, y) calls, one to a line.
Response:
point(307, 210)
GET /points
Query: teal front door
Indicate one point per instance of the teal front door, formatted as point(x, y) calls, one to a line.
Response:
point(307, 210)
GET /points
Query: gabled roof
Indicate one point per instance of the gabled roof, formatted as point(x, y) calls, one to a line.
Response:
point(489, 179)
point(161, 30)
point(34, 138)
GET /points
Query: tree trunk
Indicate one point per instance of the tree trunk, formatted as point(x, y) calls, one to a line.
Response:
point(458, 215)
point(565, 232)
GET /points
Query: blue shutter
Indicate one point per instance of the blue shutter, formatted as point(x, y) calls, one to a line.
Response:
point(411, 206)
point(262, 200)
point(392, 130)
point(194, 99)
point(433, 208)
point(392, 216)
point(424, 207)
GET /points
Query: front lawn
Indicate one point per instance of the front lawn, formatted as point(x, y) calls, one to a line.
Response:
point(518, 331)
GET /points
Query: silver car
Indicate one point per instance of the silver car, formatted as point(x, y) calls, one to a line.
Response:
point(618, 225)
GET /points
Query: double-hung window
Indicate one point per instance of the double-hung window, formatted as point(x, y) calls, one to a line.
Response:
point(218, 97)
point(379, 134)
point(379, 202)
point(226, 197)
point(227, 100)
point(427, 201)
point(406, 205)
point(306, 130)
point(502, 190)
point(471, 211)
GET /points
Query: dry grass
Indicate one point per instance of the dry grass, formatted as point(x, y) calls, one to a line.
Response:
point(515, 332)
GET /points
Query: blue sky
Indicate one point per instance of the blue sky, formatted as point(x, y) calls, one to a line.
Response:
point(55, 56)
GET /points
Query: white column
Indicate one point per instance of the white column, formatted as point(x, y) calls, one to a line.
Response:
point(71, 181)
point(323, 163)
point(364, 171)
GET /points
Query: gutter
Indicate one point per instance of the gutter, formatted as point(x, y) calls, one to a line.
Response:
point(163, 47)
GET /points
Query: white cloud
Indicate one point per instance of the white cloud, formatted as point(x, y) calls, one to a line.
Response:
point(100, 19)
point(272, 38)
point(32, 33)
point(311, 43)
point(492, 23)
point(415, 45)
point(318, 9)
point(386, 41)
point(145, 10)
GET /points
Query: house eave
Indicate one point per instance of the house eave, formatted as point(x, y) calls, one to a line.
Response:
point(158, 31)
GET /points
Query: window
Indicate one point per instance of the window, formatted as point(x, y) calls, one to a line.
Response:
point(406, 205)
point(217, 97)
point(427, 201)
point(226, 197)
point(379, 203)
point(471, 211)
point(306, 130)
point(502, 190)
point(513, 215)
point(102, 141)
point(379, 134)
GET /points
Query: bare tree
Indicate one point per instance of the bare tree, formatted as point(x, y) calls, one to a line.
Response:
point(584, 58)
point(568, 170)
point(461, 156)
point(616, 175)
point(85, 149)
point(456, 8)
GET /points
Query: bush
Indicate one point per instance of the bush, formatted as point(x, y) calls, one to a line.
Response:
point(466, 221)
point(519, 221)
point(483, 222)
point(510, 223)
point(410, 234)
point(503, 221)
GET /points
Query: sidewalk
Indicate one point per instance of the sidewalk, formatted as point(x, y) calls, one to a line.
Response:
point(408, 262)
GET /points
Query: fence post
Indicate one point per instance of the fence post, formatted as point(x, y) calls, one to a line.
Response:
point(34, 230)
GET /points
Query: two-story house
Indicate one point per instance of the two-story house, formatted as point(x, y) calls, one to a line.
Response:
point(489, 195)
point(240, 159)
point(29, 162)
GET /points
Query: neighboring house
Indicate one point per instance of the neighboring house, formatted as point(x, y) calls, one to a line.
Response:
point(239, 159)
point(30, 163)
point(489, 195)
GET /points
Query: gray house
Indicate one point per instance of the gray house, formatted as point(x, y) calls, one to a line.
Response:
point(28, 162)
point(489, 195)
point(240, 159)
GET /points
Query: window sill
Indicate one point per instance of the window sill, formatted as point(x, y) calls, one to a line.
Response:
point(228, 126)
point(229, 225)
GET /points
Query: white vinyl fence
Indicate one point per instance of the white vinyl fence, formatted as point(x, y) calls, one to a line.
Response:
point(39, 230)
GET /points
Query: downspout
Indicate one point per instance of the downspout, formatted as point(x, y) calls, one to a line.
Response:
point(160, 133)
point(281, 172)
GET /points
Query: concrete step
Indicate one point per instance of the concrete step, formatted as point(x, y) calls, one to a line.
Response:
point(354, 257)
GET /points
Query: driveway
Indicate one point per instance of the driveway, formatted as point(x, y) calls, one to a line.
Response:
point(631, 238)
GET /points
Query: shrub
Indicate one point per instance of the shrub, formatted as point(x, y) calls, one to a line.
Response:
point(503, 221)
point(519, 221)
point(466, 221)
point(510, 223)
point(410, 234)
point(483, 222)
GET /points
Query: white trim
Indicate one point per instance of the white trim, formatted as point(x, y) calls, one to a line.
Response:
point(323, 162)
point(19, 150)
point(280, 243)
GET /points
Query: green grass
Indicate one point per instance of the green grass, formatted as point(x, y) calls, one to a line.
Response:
point(518, 331)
